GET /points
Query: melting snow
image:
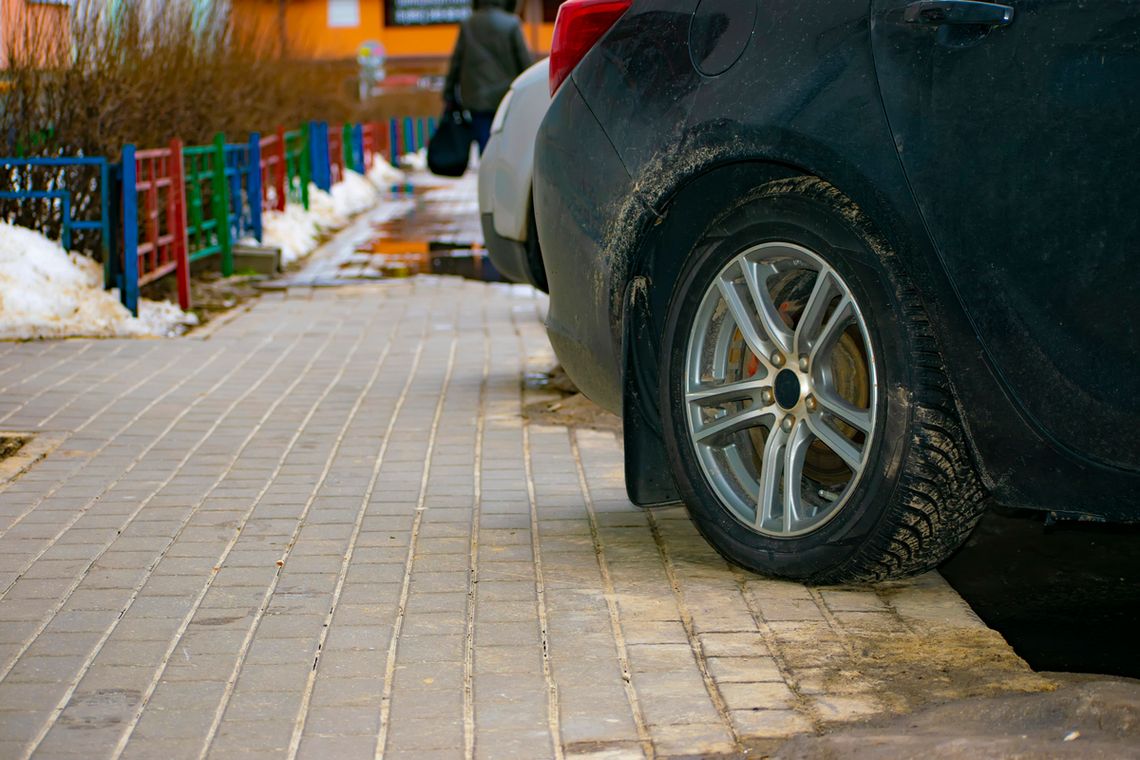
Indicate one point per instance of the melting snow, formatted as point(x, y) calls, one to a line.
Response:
point(46, 292)
point(354, 194)
point(297, 232)
point(383, 174)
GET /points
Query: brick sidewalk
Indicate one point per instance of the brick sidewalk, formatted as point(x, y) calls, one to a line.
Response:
point(325, 530)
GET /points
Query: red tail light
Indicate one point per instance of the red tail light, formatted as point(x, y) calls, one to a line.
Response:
point(579, 25)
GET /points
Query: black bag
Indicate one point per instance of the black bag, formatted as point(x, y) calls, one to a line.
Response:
point(449, 149)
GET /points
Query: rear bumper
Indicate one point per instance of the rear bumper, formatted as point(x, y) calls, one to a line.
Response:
point(580, 185)
point(508, 256)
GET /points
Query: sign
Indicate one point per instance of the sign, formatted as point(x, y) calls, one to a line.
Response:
point(425, 12)
point(371, 56)
point(343, 14)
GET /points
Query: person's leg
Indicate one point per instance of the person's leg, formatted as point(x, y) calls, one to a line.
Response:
point(481, 124)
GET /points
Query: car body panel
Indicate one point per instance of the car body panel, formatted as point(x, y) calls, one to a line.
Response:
point(802, 98)
point(572, 209)
point(507, 163)
point(1042, 119)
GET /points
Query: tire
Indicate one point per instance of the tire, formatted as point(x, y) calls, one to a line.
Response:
point(808, 418)
point(534, 252)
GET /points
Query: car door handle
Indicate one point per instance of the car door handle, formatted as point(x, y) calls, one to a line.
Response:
point(957, 12)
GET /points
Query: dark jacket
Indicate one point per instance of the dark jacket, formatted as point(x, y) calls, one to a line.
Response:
point(488, 56)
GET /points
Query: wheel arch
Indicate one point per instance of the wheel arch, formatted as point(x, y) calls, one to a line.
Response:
point(648, 285)
point(675, 223)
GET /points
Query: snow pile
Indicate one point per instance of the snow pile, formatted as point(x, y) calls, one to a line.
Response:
point(323, 208)
point(353, 194)
point(295, 231)
point(416, 162)
point(382, 174)
point(298, 232)
point(46, 292)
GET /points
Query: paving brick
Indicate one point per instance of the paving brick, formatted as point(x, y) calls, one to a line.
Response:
point(239, 420)
point(743, 669)
point(692, 739)
point(425, 737)
point(239, 738)
point(322, 747)
point(769, 724)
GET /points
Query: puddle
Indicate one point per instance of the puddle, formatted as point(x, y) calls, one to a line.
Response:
point(437, 233)
point(384, 258)
point(426, 227)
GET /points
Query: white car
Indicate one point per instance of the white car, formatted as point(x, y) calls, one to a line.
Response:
point(505, 206)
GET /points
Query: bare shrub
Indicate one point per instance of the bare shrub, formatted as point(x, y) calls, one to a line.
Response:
point(144, 73)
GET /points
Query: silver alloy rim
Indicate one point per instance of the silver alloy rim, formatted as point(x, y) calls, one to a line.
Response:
point(780, 390)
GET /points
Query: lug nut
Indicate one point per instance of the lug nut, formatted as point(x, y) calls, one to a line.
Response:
point(787, 423)
point(803, 364)
point(767, 396)
point(811, 403)
point(777, 359)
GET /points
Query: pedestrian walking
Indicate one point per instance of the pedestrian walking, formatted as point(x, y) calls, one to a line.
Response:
point(488, 55)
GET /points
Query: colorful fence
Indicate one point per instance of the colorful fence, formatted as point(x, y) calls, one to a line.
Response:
point(243, 187)
point(46, 180)
point(373, 140)
point(336, 151)
point(298, 165)
point(207, 229)
point(408, 135)
point(153, 202)
point(162, 209)
point(274, 174)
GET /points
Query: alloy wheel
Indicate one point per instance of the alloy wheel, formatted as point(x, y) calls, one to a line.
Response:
point(780, 391)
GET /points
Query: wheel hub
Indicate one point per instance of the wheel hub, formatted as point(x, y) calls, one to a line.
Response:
point(787, 389)
point(780, 389)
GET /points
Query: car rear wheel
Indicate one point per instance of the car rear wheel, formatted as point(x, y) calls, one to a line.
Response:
point(809, 421)
point(534, 251)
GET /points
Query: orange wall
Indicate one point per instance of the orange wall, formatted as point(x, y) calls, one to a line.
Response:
point(21, 21)
point(306, 23)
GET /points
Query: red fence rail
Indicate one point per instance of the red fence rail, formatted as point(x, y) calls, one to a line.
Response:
point(374, 140)
point(274, 171)
point(161, 249)
point(336, 156)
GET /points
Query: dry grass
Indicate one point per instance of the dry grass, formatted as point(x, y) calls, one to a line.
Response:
point(144, 74)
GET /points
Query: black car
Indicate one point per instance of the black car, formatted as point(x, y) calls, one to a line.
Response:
point(849, 268)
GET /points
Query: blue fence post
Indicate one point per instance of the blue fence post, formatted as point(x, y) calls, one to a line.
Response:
point(394, 140)
point(130, 285)
point(65, 231)
point(253, 185)
point(326, 157)
point(314, 153)
point(105, 223)
point(319, 154)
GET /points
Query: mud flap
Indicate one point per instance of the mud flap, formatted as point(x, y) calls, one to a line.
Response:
point(648, 477)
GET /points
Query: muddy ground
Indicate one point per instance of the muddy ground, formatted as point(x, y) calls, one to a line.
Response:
point(1086, 717)
point(1066, 597)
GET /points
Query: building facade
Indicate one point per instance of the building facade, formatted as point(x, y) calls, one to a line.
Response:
point(407, 29)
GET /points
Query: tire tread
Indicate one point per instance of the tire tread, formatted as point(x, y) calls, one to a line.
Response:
point(938, 497)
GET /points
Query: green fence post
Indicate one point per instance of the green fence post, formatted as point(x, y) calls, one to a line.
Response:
point(346, 148)
point(194, 200)
point(306, 165)
point(221, 204)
